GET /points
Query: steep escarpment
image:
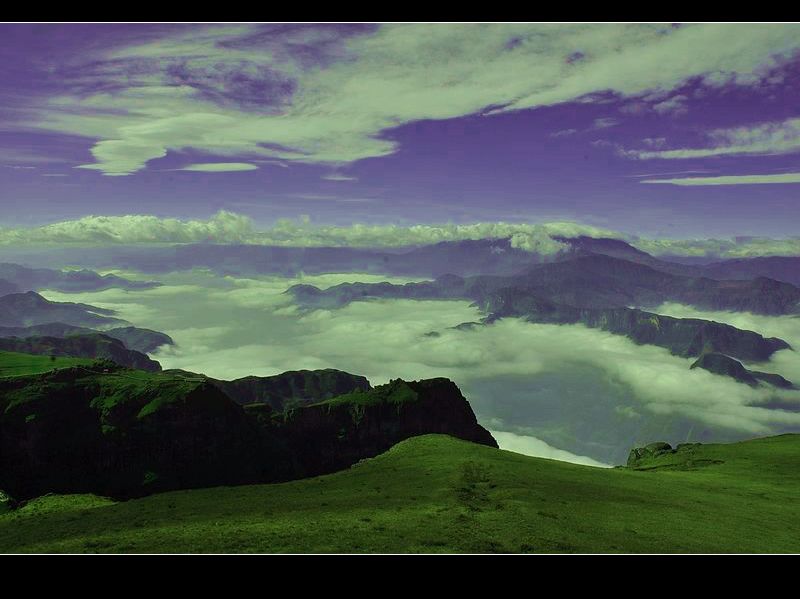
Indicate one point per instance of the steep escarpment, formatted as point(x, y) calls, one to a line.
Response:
point(332, 434)
point(686, 337)
point(727, 366)
point(593, 281)
point(125, 433)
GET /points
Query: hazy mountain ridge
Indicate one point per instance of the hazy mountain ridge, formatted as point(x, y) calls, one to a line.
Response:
point(492, 256)
point(725, 365)
point(141, 340)
point(22, 278)
point(583, 281)
point(31, 309)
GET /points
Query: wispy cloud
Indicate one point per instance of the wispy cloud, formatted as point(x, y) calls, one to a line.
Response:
point(675, 106)
point(219, 167)
point(731, 180)
point(324, 94)
point(564, 133)
point(603, 123)
point(339, 177)
point(764, 139)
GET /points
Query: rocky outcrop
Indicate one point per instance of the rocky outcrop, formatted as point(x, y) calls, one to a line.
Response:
point(648, 452)
point(333, 434)
point(125, 433)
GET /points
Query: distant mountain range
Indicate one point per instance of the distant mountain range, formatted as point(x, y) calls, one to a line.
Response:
point(593, 281)
point(31, 309)
point(601, 290)
point(15, 278)
point(141, 340)
point(464, 258)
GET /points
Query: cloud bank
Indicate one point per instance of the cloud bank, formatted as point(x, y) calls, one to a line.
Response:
point(536, 447)
point(232, 327)
point(220, 167)
point(327, 94)
point(231, 228)
point(762, 139)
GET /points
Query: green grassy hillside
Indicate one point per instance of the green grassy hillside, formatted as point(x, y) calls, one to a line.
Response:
point(17, 364)
point(437, 494)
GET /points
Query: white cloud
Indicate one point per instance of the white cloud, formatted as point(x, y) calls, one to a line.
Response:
point(339, 177)
point(762, 139)
point(228, 227)
point(676, 106)
point(221, 90)
point(745, 247)
point(231, 228)
point(731, 180)
point(532, 446)
point(564, 133)
point(604, 123)
point(219, 167)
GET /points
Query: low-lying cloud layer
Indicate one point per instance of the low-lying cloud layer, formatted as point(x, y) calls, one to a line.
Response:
point(229, 328)
point(536, 447)
point(231, 228)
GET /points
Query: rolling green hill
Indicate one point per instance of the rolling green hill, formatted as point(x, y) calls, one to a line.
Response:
point(434, 493)
point(18, 364)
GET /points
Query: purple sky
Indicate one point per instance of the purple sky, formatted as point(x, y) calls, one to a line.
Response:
point(400, 124)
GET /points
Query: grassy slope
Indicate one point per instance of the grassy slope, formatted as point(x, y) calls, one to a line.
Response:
point(17, 364)
point(436, 493)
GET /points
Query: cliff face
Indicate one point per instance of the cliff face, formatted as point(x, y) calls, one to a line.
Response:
point(126, 433)
point(121, 432)
point(687, 337)
point(333, 434)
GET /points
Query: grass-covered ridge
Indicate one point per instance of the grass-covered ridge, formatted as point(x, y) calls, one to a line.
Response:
point(434, 493)
point(20, 364)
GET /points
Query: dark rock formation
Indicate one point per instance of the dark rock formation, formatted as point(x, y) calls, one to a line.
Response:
point(641, 454)
point(125, 433)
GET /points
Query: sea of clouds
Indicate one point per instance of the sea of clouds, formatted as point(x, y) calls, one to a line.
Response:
point(560, 391)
